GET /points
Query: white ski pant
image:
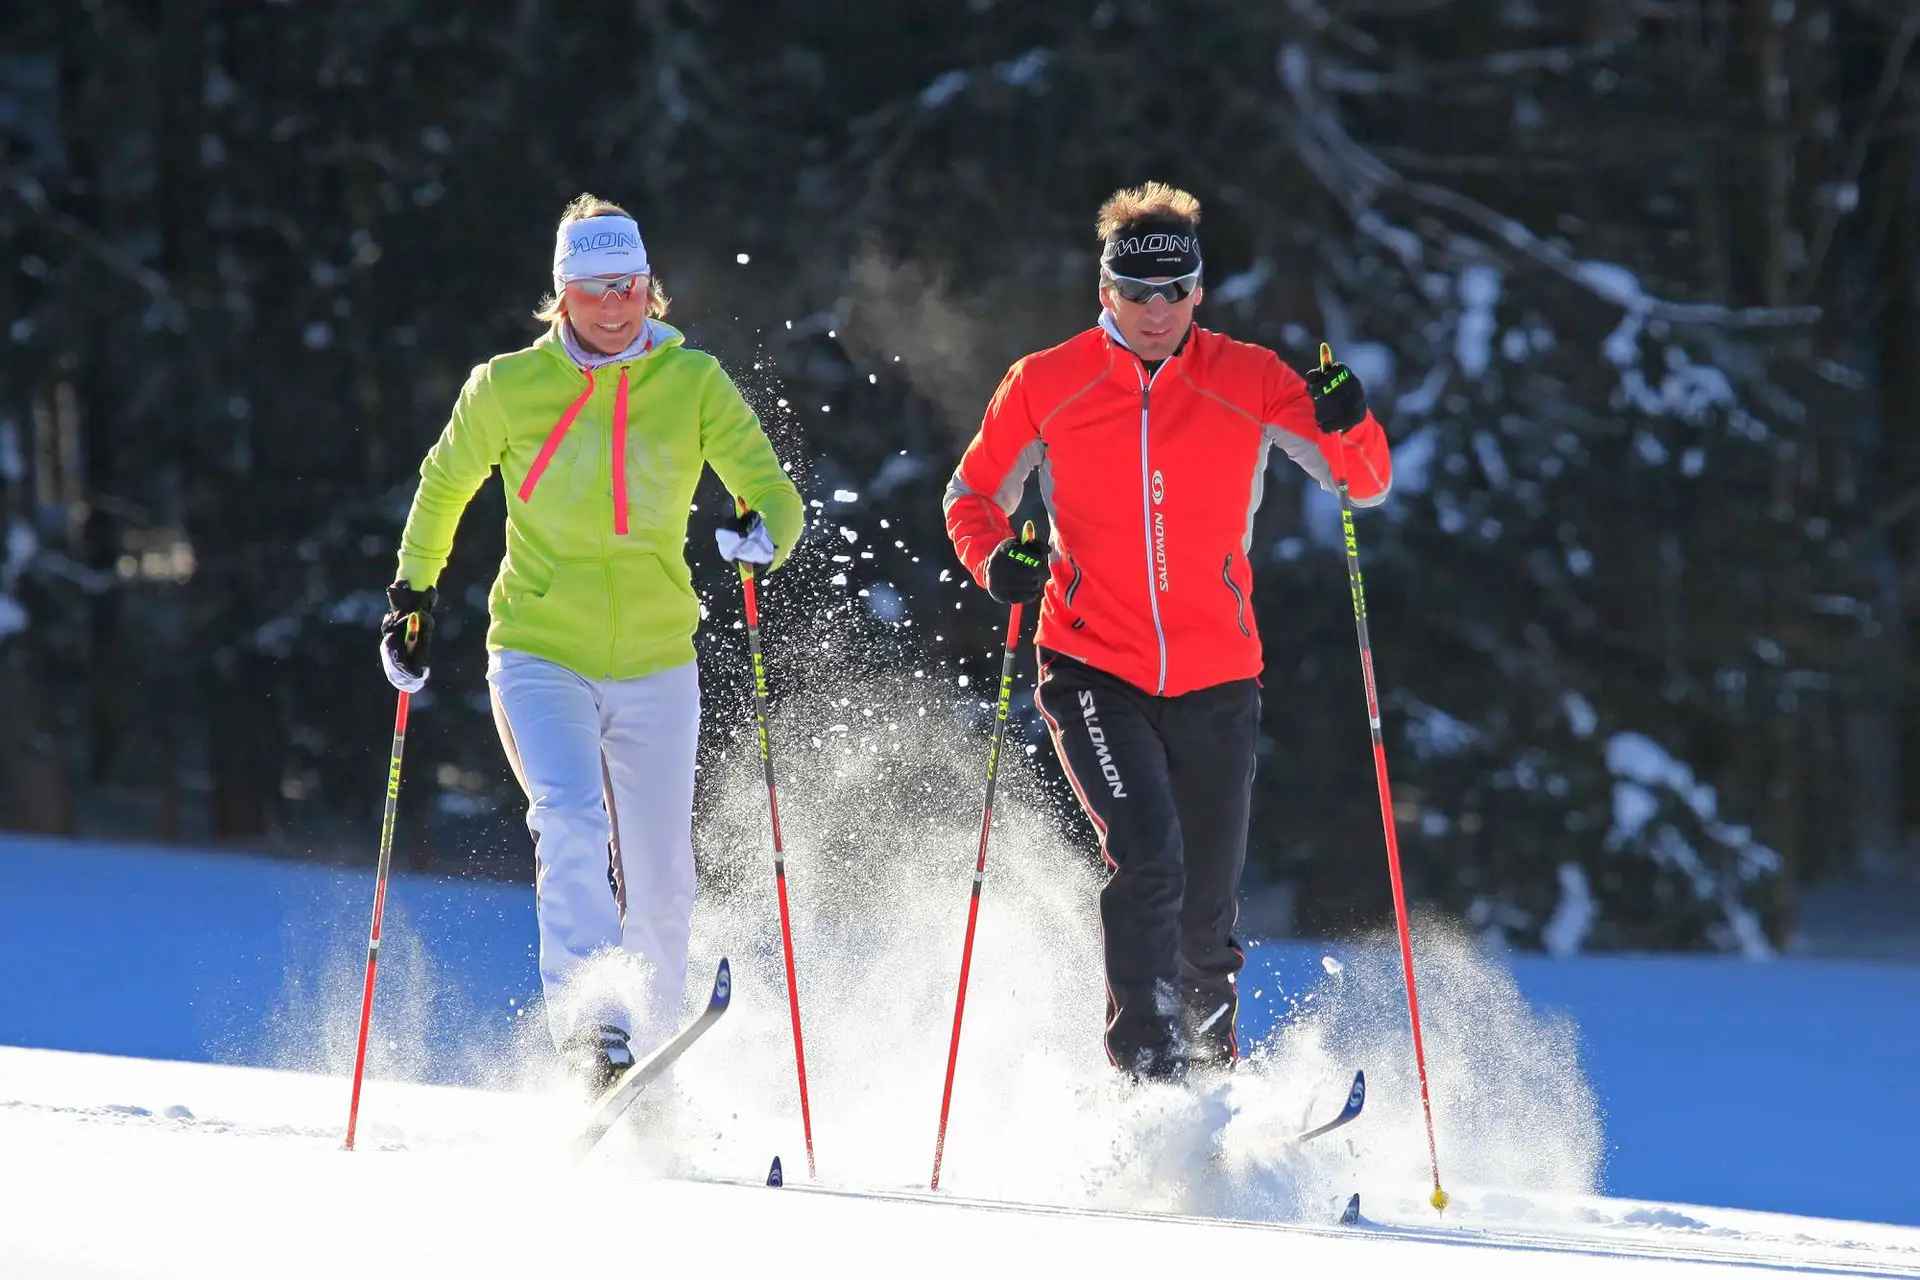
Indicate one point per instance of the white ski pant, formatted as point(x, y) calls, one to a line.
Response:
point(607, 766)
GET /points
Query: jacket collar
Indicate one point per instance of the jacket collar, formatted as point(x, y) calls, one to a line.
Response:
point(560, 342)
point(1113, 331)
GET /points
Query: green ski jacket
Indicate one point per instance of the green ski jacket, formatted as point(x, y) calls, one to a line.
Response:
point(599, 467)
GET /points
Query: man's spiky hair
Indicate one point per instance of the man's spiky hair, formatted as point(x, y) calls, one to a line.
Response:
point(1154, 202)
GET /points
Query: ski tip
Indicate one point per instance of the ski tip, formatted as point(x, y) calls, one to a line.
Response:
point(1350, 1216)
point(722, 986)
point(1357, 1096)
point(774, 1178)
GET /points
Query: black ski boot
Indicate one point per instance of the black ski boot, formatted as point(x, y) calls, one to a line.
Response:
point(1208, 1017)
point(1156, 1053)
point(596, 1056)
point(1164, 1065)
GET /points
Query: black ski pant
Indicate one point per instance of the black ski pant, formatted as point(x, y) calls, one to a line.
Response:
point(1167, 783)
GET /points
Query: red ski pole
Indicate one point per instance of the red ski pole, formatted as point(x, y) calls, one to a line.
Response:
point(779, 850)
point(979, 866)
point(380, 894)
point(1439, 1197)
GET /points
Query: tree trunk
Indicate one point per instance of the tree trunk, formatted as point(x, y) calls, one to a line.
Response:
point(34, 791)
point(241, 756)
point(1759, 68)
point(1896, 342)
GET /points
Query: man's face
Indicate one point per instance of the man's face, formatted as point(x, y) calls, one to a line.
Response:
point(607, 312)
point(1155, 327)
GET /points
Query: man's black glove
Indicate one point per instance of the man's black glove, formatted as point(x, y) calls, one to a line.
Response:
point(406, 663)
point(1339, 401)
point(1018, 572)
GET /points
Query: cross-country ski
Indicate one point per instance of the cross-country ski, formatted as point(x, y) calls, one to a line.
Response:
point(621, 1094)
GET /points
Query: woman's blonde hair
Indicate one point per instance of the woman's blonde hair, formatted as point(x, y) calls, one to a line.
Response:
point(587, 205)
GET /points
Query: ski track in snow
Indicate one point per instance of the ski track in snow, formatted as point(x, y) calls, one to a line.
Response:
point(121, 1167)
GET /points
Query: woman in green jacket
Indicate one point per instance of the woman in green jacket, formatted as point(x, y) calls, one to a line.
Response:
point(600, 430)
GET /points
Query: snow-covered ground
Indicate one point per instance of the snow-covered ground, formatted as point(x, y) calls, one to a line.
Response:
point(183, 1028)
point(116, 1168)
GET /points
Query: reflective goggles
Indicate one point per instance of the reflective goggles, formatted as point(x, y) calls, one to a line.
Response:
point(1177, 289)
point(598, 287)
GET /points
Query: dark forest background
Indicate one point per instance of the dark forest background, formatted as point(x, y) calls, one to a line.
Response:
point(1635, 285)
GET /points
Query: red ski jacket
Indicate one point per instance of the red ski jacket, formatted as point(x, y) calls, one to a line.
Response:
point(1150, 482)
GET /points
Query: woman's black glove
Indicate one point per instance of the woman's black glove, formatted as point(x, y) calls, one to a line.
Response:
point(405, 658)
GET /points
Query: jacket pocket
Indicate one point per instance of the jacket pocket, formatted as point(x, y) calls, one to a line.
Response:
point(651, 606)
point(1239, 600)
point(558, 612)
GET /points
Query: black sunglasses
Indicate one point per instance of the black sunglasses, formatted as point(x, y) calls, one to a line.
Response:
point(1135, 290)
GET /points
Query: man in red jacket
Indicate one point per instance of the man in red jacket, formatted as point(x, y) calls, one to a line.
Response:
point(1151, 437)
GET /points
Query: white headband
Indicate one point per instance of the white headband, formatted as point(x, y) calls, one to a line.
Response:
point(605, 245)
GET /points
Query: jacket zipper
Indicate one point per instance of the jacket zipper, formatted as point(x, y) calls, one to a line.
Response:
point(1146, 515)
point(606, 566)
point(1239, 601)
point(606, 549)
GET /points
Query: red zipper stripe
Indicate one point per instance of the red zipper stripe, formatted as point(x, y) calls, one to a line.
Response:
point(547, 450)
point(620, 455)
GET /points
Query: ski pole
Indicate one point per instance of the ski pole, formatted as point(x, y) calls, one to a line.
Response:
point(779, 850)
point(980, 865)
point(380, 892)
point(1439, 1197)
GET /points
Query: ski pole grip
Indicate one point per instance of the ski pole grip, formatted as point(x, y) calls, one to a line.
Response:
point(1340, 479)
point(747, 574)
